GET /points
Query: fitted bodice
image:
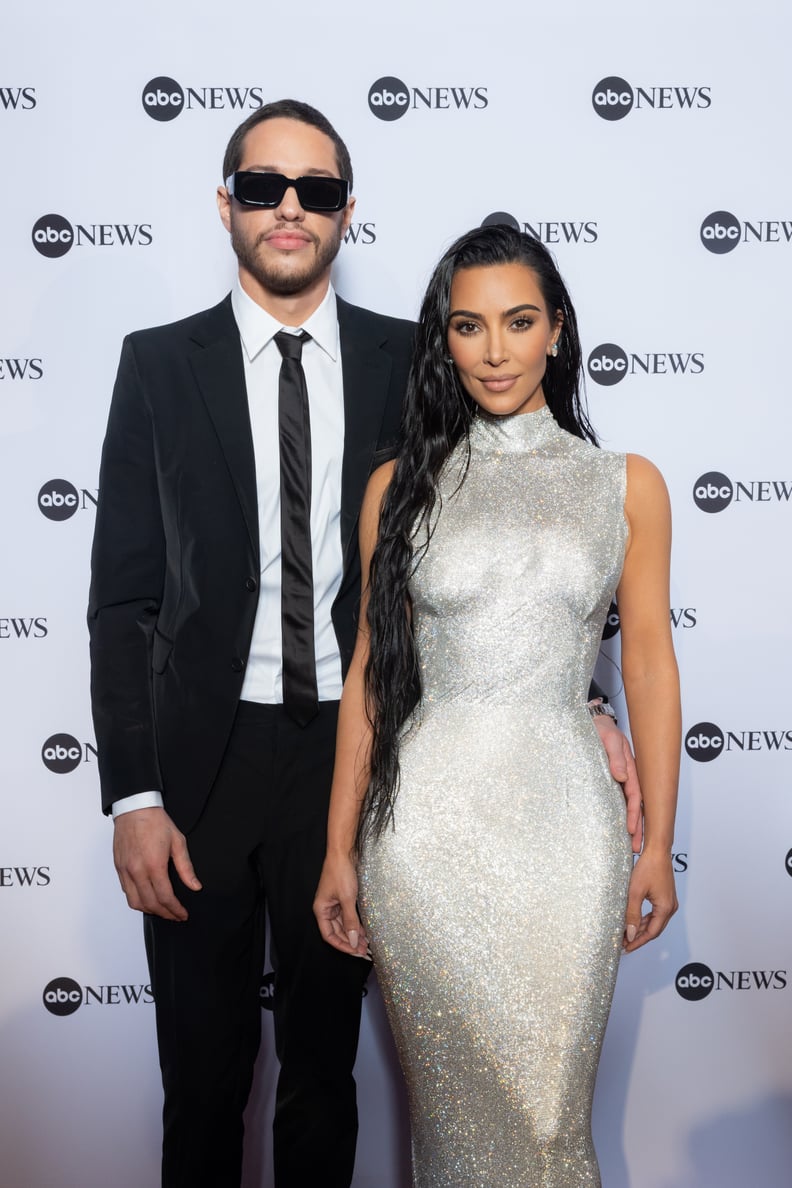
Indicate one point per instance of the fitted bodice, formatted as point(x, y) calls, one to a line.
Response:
point(525, 558)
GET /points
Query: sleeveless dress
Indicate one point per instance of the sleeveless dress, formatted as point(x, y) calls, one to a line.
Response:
point(495, 906)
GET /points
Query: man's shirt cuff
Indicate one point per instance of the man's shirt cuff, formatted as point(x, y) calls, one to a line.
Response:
point(140, 800)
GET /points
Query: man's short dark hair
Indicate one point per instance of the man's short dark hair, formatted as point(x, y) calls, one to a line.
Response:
point(286, 109)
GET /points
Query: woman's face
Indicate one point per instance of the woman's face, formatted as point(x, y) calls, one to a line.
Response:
point(499, 335)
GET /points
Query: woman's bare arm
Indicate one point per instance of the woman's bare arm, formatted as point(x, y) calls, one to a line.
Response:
point(335, 905)
point(651, 684)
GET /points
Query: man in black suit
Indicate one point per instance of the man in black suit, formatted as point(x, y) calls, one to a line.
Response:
point(219, 795)
point(217, 777)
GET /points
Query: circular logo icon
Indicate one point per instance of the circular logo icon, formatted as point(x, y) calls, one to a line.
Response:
point(499, 218)
point(388, 98)
point(612, 98)
point(788, 864)
point(704, 742)
point(163, 98)
point(58, 499)
point(267, 991)
point(713, 491)
point(695, 981)
point(52, 235)
point(612, 622)
point(61, 753)
point(720, 232)
point(607, 364)
point(62, 996)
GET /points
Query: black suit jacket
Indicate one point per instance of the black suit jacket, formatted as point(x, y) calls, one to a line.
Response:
point(175, 561)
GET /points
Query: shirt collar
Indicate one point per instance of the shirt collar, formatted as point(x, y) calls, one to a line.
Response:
point(257, 328)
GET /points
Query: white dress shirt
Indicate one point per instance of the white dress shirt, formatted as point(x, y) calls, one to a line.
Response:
point(321, 360)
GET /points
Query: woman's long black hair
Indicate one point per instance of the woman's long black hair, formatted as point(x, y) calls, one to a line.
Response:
point(437, 417)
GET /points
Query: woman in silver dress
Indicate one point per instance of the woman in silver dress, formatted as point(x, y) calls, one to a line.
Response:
point(497, 888)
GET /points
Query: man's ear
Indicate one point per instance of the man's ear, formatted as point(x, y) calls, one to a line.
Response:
point(349, 210)
point(224, 207)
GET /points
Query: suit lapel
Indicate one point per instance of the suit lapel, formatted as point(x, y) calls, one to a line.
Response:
point(366, 370)
point(220, 375)
point(219, 372)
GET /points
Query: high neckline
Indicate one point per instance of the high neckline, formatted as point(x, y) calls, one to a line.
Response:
point(520, 432)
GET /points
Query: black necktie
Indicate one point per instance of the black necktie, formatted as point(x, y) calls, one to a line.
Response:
point(300, 698)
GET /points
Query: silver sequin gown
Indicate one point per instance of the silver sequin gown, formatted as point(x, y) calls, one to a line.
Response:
point(496, 905)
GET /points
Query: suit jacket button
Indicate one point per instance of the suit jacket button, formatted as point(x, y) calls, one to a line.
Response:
point(237, 664)
point(251, 584)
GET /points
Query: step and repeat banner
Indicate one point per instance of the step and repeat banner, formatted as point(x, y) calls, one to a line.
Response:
point(645, 146)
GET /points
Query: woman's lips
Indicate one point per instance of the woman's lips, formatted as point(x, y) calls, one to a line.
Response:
point(500, 383)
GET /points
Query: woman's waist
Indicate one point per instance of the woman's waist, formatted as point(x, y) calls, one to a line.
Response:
point(545, 688)
point(494, 722)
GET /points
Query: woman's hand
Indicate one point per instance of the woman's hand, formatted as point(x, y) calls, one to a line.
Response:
point(653, 880)
point(624, 771)
point(335, 908)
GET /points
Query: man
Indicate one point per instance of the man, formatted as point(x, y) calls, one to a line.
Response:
point(215, 735)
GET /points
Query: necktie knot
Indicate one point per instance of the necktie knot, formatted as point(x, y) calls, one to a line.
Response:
point(291, 345)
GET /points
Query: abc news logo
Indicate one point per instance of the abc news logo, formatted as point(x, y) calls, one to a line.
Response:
point(267, 992)
point(18, 98)
point(24, 627)
point(164, 99)
point(62, 753)
point(714, 491)
point(54, 236)
point(721, 231)
point(608, 364)
point(788, 863)
point(59, 499)
point(613, 98)
point(696, 981)
point(21, 369)
point(389, 98)
point(64, 996)
point(547, 232)
point(683, 617)
point(361, 234)
point(706, 741)
point(25, 876)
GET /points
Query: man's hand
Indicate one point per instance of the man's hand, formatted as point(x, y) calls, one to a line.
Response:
point(145, 841)
point(623, 769)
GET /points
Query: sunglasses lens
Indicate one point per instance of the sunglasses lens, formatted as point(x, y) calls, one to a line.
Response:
point(259, 189)
point(267, 189)
point(322, 193)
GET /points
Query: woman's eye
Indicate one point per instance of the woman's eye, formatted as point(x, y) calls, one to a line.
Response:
point(465, 327)
point(522, 323)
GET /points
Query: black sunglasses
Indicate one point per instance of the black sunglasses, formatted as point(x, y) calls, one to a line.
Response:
point(267, 189)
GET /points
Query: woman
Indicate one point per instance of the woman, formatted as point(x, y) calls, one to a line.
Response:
point(494, 887)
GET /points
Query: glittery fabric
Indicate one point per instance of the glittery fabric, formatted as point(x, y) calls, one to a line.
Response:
point(496, 905)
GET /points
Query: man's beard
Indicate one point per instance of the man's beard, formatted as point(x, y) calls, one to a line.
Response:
point(284, 282)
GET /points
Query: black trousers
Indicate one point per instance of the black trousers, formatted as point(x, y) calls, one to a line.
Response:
point(259, 845)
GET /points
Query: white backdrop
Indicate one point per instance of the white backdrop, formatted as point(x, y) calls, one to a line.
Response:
point(507, 109)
